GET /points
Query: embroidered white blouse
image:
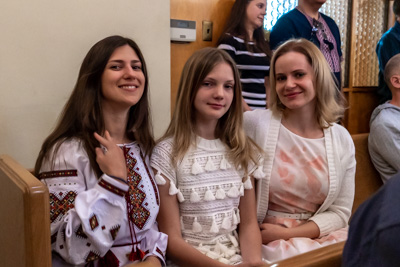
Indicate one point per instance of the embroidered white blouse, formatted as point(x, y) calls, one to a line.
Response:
point(99, 219)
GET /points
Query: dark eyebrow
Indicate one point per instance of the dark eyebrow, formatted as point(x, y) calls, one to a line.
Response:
point(121, 61)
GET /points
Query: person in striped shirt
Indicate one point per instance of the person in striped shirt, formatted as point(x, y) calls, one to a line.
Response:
point(243, 39)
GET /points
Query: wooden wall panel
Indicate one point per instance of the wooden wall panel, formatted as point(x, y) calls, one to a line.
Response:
point(216, 11)
point(361, 103)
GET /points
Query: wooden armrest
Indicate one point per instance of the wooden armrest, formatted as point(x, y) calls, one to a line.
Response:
point(25, 223)
point(326, 256)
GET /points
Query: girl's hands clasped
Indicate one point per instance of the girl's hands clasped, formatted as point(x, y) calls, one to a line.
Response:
point(110, 157)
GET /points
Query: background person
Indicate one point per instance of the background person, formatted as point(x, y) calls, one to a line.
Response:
point(374, 230)
point(305, 21)
point(243, 39)
point(387, 47)
point(384, 136)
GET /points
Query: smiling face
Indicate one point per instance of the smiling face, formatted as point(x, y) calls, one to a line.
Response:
point(215, 94)
point(294, 77)
point(255, 12)
point(123, 80)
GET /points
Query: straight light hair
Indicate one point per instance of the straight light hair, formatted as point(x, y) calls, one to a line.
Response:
point(329, 102)
point(229, 127)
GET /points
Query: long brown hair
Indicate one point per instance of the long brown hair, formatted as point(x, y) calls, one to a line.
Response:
point(235, 26)
point(229, 127)
point(82, 114)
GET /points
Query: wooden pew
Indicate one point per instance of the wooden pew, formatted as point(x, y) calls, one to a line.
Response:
point(367, 182)
point(25, 217)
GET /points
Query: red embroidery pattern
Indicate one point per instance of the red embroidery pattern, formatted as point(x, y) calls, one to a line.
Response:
point(80, 233)
point(92, 256)
point(111, 188)
point(135, 198)
point(155, 188)
point(93, 222)
point(159, 251)
point(60, 206)
point(114, 231)
point(61, 173)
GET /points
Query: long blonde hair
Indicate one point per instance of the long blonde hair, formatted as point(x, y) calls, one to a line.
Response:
point(329, 103)
point(229, 127)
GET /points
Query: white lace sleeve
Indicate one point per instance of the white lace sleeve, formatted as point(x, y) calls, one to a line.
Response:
point(161, 161)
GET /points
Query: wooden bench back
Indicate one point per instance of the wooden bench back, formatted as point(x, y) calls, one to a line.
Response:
point(367, 179)
point(25, 217)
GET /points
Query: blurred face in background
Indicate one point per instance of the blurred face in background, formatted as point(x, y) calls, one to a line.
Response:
point(255, 12)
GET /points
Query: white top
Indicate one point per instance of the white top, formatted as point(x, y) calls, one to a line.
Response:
point(89, 215)
point(208, 188)
point(263, 127)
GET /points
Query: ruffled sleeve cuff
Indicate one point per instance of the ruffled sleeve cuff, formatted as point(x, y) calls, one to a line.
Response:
point(157, 245)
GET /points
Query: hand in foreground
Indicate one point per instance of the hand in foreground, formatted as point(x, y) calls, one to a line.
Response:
point(151, 261)
point(271, 232)
point(110, 157)
point(255, 264)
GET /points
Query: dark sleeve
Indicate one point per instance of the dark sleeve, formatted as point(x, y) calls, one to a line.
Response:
point(229, 45)
point(282, 31)
point(291, 25)
point(385, 50)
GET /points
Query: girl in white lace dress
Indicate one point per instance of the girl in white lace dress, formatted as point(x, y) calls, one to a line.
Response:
point(202, 168)
point(305, 200)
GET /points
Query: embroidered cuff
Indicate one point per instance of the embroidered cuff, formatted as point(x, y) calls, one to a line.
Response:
point(111, 185)
point(157, 252)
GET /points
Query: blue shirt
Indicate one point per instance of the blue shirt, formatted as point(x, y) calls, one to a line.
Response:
point(387, 47)
point(295, 24)
point(374, 231)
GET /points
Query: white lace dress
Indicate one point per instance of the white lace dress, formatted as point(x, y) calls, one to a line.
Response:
point(208, 188)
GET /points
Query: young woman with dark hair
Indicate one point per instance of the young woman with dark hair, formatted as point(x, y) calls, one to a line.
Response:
point(103, 199)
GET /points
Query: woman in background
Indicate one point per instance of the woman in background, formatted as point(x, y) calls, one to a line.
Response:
point(103, 199)
point(243, 39)
point(306, 196)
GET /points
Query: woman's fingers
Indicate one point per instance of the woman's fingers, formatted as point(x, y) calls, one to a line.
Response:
point(105, 142)
point(99, 138)
point(110, 157)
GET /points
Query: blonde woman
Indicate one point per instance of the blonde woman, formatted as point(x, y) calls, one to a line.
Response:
point(202, 166)
point(306, 196)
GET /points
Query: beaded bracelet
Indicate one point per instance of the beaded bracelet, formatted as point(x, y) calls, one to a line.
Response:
point(117, 178)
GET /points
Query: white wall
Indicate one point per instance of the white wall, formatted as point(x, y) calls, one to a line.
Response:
point(43, 43)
